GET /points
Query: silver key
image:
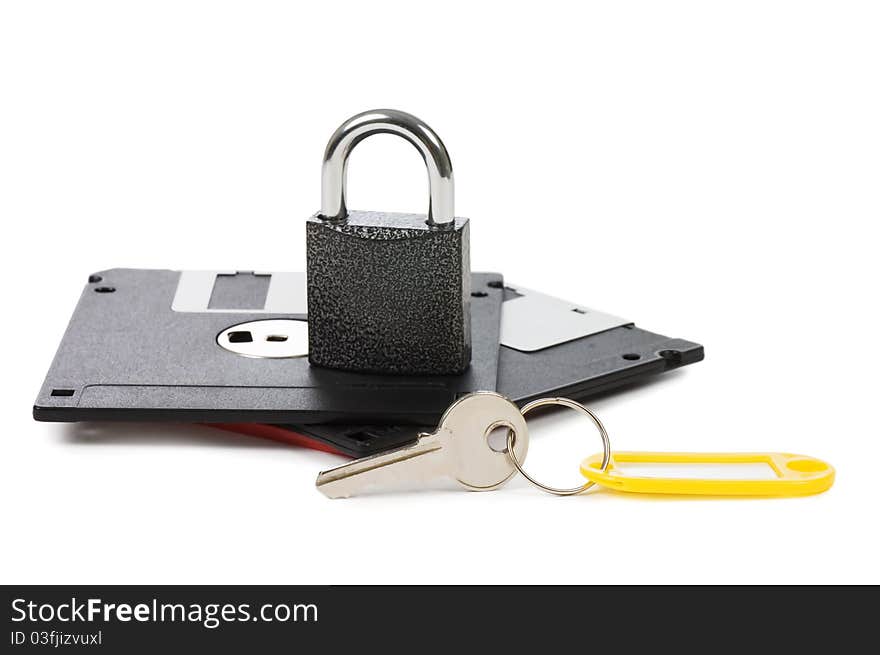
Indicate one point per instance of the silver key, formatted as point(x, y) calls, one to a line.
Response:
point(458, 449)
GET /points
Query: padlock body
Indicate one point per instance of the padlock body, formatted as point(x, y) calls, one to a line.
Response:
point(387, 293)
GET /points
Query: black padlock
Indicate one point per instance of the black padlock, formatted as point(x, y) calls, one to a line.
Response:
point(388, 292)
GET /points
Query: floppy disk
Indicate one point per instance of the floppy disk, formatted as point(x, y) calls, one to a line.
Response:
point(212, 346)
point(549, 347)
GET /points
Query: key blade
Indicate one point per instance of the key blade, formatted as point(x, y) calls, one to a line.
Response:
point(419, 462)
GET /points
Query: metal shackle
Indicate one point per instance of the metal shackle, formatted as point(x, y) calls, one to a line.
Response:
point(441, 209)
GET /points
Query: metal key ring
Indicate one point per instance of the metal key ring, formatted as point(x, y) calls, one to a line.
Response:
point(565, 402)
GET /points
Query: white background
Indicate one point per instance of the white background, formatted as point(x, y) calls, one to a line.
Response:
point(709, 170)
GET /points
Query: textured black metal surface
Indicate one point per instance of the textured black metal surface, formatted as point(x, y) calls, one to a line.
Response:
point(577, 369)
point(387, 294)
point(127, 356)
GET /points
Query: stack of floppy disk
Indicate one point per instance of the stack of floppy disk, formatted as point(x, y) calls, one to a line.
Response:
point(388, 328)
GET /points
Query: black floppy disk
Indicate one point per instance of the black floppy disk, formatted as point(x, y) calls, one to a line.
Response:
point(209, 346)
point(549, 347)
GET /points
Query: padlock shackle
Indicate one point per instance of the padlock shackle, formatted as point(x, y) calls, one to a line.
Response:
point(441, 209)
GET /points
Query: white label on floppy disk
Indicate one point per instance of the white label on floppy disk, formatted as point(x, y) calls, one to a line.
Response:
point(534, 321)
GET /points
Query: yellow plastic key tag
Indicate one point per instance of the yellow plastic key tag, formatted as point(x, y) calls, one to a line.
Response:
point(743, 474)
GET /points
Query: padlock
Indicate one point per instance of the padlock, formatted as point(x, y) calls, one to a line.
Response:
point(388, 292)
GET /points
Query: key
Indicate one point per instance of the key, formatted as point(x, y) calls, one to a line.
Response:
point(458, 449)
